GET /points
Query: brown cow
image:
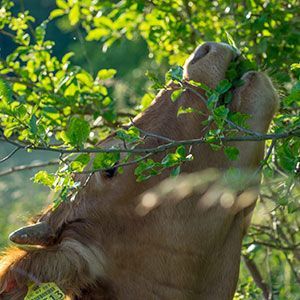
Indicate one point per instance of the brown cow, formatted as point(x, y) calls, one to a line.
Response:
point(104, 245)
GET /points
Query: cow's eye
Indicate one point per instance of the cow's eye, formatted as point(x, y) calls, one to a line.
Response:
point(110, 173)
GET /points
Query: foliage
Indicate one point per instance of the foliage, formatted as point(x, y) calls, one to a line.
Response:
point(50, 103)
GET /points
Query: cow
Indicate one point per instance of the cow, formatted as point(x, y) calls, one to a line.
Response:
point(118, 240)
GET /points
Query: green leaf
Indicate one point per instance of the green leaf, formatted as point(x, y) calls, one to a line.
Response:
point(146, 101)
point(104, 161)
point(76, 166)
point(175, 172)
point(156, 82)
point(223, 86)
point(83, 158)
point(106, 74)
point(131, 135)
point(74, 15)
point(40, 31)
point(186, 110)
point(283, 201)
point(45, 178)
point(97, 34)
point(6, 92)
point(231, 152)
point(228, 98)
point(170, 160)
point(77, 131)
point(212, 100)
point(103, 20)
point(147, 169)
point(71, 90)
point(106, 101)
point(56, 13)
point(62, 4)
point(175, 73)
point(19, 88)
point(295, 66)
point(294, 96)
point(212, 136)
point(239, 118)
point(220, 114)
point(67, 57)
point(85, 78)
point(293, 207)
point(20, 111)
point(181, 152)
point(201, 85)
point(231, 41)
point(32, 124)
point(176, 94)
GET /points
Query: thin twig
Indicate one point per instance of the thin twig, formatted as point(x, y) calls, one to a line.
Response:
point(190, 88)
point(28, 167)
point(84, 51)
point(151, 134)
point(7, 34)
point(242, 129)
point(9, 155)
point(257, 277)
point(274, 246)
point(297, 276)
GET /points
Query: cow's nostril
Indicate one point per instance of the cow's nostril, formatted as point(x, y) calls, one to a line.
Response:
point(200, 52)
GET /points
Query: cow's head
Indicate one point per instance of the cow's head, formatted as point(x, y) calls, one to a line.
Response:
point(208, 64)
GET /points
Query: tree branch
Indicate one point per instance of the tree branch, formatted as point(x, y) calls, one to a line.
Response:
point(161, 148)
point(28, 167)
point(7, 34)
point(2, 160)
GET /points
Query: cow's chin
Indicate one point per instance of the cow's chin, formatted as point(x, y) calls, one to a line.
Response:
point(257, 97)
point(208, 63)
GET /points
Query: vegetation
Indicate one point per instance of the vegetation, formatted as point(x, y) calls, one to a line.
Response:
point(56, 101)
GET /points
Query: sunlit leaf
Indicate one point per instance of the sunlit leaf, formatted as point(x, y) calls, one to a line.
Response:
point(78, 131)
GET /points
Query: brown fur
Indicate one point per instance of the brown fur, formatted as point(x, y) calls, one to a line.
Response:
point(105, 250)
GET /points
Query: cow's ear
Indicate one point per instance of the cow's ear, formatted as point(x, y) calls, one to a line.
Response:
point(35, 234)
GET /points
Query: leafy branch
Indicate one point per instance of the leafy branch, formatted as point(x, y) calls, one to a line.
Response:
point(161, 148)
